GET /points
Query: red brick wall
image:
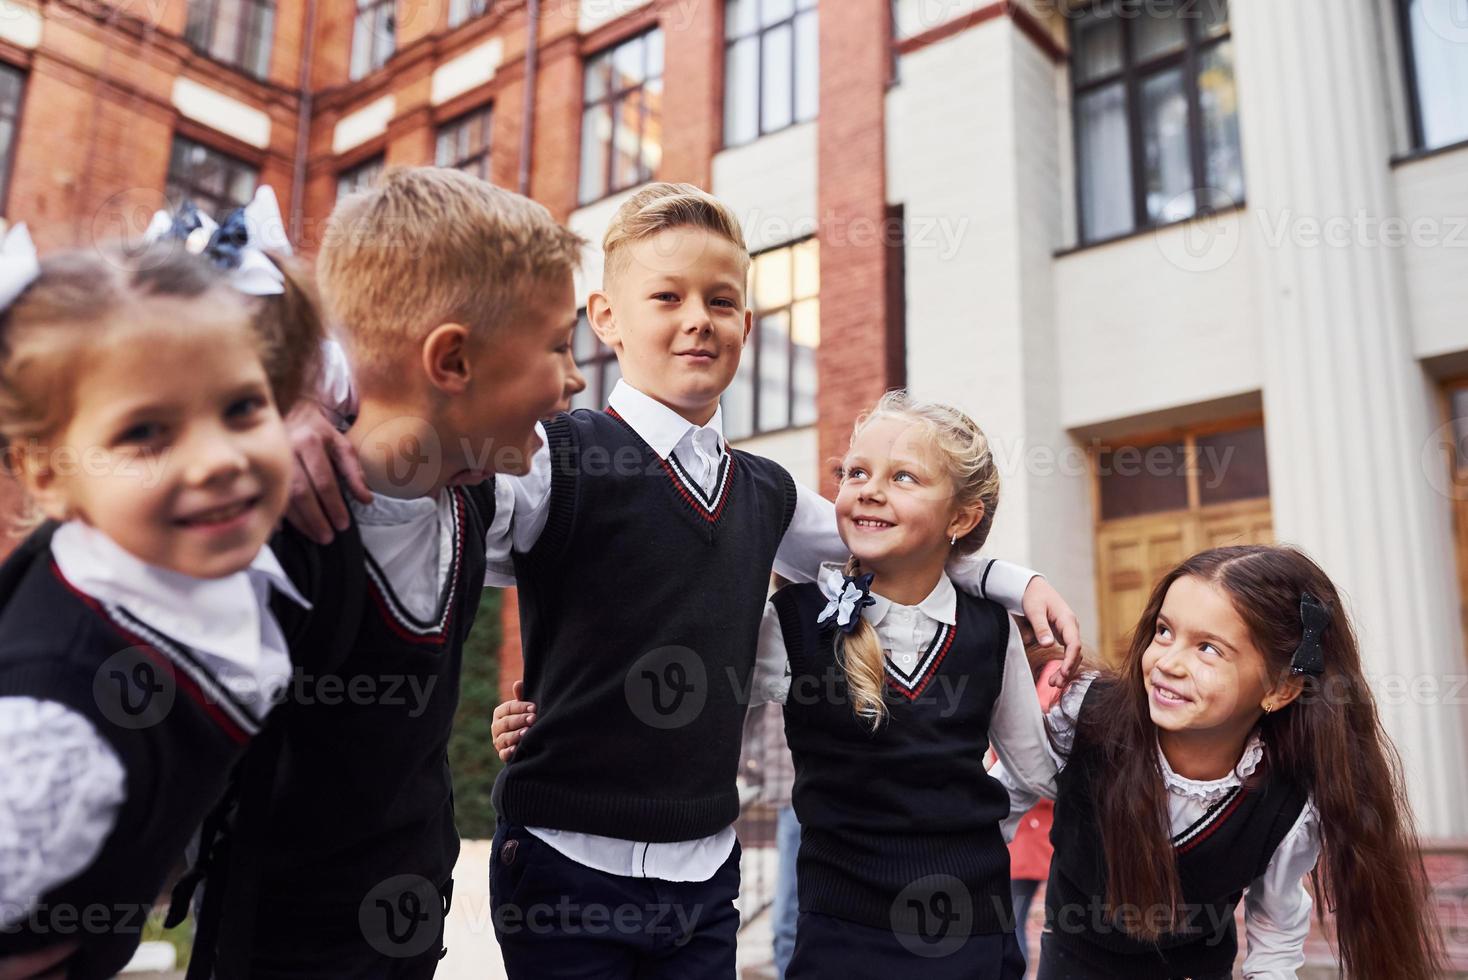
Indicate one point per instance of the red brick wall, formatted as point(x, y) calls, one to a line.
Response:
point(693, 90)
point(852, 362)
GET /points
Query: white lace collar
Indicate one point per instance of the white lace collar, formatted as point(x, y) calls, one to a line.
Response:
point(1213, 789)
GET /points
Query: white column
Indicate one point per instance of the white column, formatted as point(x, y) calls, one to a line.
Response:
point(1347, 407)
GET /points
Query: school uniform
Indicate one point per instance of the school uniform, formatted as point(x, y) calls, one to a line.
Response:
point(642, 546)
point(902, 864)
point(127, 695)
point(1251, 836)
point(348, 871)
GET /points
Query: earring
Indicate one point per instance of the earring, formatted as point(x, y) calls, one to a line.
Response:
point(1268, 707)
point(953, 540)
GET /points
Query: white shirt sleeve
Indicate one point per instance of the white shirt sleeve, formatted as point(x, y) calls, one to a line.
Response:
point(1060, 722)
point(334, 385)
point(812, 538)
point(771, 680)
point(1277, 906)
point(1017, 732)
point(522, 505)
point(61, 787)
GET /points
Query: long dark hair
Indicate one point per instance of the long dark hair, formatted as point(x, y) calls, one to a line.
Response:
point(1329, 742)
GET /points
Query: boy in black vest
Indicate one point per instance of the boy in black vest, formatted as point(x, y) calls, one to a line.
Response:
point(457, 304)
point(642, 546)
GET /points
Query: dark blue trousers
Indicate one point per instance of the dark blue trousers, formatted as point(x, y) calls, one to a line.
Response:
point(556, 919)
point(827, 948)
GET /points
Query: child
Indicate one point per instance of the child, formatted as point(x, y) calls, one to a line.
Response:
point(894, 685)
point(642, 546)
point(457, 305)
point(1030, 850)
point(139, 406)
point(1234, 752)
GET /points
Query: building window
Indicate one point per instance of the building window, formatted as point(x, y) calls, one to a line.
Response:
point(776, 384)
point(598, 364)
point(771, 67)
point(622, 129)
point(359, 178)
point(374, 36)
point(1436, 37)
point(464, 143)
point(12, 90)
point(236, 32)
point(463, 11)
point(215, 182)
point(1156, 114)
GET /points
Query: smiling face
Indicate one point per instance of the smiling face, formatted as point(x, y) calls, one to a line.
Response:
point(516, 378)
point(896, 508)
point(174, 448)
point(674, 312)
point(1202, 671)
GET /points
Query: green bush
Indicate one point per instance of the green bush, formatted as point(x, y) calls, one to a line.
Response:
point(471, 748)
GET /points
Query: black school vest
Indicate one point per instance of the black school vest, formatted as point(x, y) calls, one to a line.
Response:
point(1218, 857)
point(175, 728)
point(900, 827)
point(640, 606)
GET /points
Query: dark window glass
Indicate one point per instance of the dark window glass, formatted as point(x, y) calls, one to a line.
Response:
point(236, 32)
point(464, 143)
point(215, 182)
point(1436, 35)
point(1143, 479)
point(1232, 466)
point(771, 67)
point(621, 125)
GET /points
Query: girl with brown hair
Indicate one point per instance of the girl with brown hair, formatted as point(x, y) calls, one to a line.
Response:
point(1234, 752)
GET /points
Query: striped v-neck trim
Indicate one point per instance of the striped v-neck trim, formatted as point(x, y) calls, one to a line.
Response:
point(236, 719)
point(708, 506)
point(1210, 821)
point(912, 684)
point(395, 613)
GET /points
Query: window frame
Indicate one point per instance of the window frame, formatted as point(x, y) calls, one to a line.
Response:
point(755, 346)
point(374, 164)
point(1132, 75)
point(371, 8)
point(1417, 127)
point(191, 188)
point(484, 153)
point(208, 21)
point(469, 13)
point(612, 96)
point(760, 34)
point(7, 159)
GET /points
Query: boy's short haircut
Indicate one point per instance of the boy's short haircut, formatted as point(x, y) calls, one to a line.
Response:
point(658, 207)
point(428, 246)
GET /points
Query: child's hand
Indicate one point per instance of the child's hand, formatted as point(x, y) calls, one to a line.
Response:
point(317, 509)
point(511, 719)
point(36, 965)
point(1047, 611)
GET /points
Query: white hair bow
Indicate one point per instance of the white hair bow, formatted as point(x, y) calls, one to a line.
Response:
point(19, 266)
point(238, 245)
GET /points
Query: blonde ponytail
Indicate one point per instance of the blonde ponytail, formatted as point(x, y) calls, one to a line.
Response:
point(859, 654)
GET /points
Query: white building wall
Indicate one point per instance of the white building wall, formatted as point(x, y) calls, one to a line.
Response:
point(1432, 196)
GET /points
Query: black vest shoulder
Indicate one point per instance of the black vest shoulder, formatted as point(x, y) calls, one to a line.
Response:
point(1218, 857)
point(174, 727)
point(910, 801)
point(640, 606)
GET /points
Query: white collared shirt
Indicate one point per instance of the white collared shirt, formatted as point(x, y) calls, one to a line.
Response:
point(810, 540)
point(1276, 905)
point(61, 784)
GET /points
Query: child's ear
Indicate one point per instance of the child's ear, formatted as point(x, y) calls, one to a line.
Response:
point(33, 471)
point(1284, 693)
point(748, 323)
point(446, 357)
point(967, 518)
point(599, 315)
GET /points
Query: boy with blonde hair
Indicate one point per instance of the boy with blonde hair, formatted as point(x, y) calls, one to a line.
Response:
point(642, 545)
point(456, 304)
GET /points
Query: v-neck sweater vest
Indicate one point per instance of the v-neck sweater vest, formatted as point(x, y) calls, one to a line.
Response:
point(640, 606)
point(899, 826)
